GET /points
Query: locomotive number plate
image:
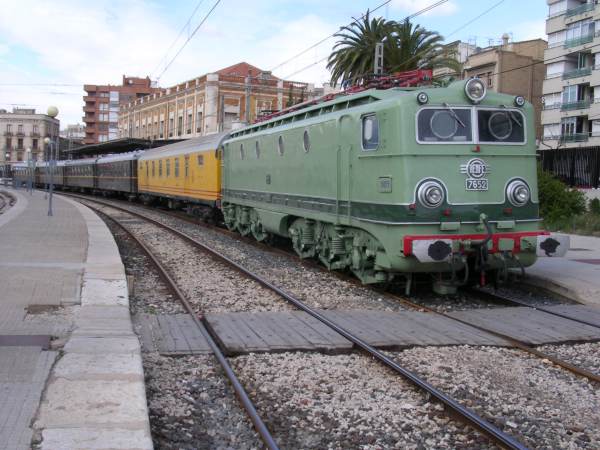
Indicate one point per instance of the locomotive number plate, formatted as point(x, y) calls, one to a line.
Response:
point(476, 185)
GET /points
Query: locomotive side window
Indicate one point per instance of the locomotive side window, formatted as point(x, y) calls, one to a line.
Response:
point(257, 149)
point(501, 125)
point(370, 132)
point(241, 151)
point(306, 141)
point(280, 148)
point(444, 125)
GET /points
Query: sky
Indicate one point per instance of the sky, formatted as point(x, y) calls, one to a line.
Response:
point(48, 50)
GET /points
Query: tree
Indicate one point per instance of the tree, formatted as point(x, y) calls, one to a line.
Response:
point(406, 47)
point(353, 55)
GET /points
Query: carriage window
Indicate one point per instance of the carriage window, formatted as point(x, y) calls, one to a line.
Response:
point(153, 172)
point(160, 168)
point(168, 164)
point(187, 166)
point(306, 141)
point(370, 132)
point(200, 160)
point(497, 126)
point(176, 167)
point(448, 124)
point(146, 169)
point(280, 145)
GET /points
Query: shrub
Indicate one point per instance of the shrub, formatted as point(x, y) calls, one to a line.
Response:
point(558, 203)
point(595, 206)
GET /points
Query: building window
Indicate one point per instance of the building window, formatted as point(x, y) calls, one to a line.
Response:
point(179, 125)
point(189, 124)
point(171, 127)
point(35, 129)
point(489, 80)
point(161, 130)
point(9, 128)
point(199, 122)
point(8, 142)
point(20, 144)
point(34, 144)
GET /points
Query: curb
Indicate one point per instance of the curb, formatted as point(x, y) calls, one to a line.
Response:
point(95, 397)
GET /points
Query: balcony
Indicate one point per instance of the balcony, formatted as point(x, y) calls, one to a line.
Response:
point(579, 9)
point(89, 119)
point(89, 109)
point(580, 104)
point(569, 43)
point(20, 134)
point(34, 134)
point(584, 71)
point(576, 137)
point(89, 98)
point(8, 133)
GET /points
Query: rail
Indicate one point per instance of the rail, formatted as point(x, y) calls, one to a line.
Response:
point(466, 414)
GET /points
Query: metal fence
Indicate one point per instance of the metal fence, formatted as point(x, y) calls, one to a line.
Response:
point(578, 167)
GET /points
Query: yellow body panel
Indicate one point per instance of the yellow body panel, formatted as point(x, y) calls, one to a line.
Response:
point(190, 176)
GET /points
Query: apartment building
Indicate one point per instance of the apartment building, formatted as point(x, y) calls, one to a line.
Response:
point(210, 103)
point(102, 104)
point(571, 112)
point(23, 129)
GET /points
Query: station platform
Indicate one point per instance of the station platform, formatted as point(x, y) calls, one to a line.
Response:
point(71, 374)
point(575, 276)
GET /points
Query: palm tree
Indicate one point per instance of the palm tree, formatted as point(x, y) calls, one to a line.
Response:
point(353, 56)
point(406, 47)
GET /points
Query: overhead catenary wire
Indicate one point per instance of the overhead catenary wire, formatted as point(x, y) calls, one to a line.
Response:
point(178, 36)
point(438, 3)
point(189, 38)
point(410, 16)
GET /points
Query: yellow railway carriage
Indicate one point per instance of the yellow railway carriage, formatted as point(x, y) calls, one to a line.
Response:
point(187, 171)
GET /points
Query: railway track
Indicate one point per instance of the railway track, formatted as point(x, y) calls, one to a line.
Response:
point(493, 297)
point(451, 405)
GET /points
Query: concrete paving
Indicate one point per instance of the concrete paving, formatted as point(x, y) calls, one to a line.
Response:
point(575, 276)
point(89, 394)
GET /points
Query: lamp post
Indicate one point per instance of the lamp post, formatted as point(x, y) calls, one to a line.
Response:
point(29, 172)
point(52, 112)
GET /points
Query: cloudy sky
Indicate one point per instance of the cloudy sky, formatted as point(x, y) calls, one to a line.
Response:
point(49, 49)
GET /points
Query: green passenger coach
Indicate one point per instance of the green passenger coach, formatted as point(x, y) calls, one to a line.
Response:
point(391, 182)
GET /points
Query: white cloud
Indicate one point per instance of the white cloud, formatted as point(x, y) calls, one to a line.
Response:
point(97, 42)
point(535, 29)
point(412, 6)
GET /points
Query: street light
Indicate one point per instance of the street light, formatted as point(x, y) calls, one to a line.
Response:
point(29, 172)
point(52, 112)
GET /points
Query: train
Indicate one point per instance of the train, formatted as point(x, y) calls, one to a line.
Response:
point(383, 182)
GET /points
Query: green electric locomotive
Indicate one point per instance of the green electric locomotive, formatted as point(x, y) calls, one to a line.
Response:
point(391, 182)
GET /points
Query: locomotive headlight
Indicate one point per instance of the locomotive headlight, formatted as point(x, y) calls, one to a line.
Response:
point(422, 98)
point(519, 101)
point(475, 90)
point(518, 193)
point(431, 194)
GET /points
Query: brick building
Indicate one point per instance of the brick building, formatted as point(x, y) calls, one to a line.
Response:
point(24, 129)
point(102, 105)
point(210, 103)
point(512, 68)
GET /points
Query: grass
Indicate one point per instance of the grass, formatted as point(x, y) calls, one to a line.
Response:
point(586, 224)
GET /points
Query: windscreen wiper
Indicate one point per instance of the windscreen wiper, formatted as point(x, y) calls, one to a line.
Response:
point(454, 115)
point(512, 116)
